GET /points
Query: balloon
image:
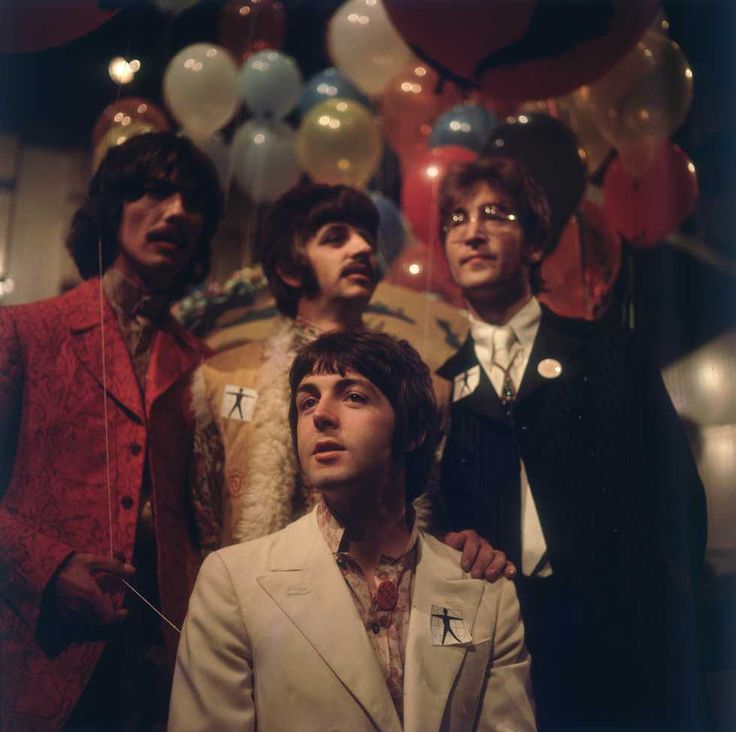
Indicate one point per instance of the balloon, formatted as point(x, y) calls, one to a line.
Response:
point(200, 88)
point(27, 26)
point(218, 151)
point(424, 268)
point(580, 274)
point(364, 45)
point(646, 95)
point(127, 110)
point(270, 82)
point(392, 229)
point(521, 49)
point(264, 159)
point(466, 125)
point(420, 189)
point(117, 136)
point(251, 25)
point(574, 110)
point(551, 154)
point(644, 210)
point(339, 142)
point(411, 102)
point(328, 84)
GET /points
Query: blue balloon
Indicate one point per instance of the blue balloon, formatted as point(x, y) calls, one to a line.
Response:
point(466, 125)
point(329, 84)
point(270, 83)
point(392, 229)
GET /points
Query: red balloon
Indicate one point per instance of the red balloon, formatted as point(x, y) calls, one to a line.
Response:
point(645, 209)
point(458, 34)
point(580, 274)
point(34, 25)
point(247, 26)
point(424, 269)
point(521, 49)
point(420, 188)
point(125, 111)
point(410, 103)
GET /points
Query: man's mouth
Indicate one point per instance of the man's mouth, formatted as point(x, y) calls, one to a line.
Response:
point(327, 446)
point(169, 235)
point(478, 257)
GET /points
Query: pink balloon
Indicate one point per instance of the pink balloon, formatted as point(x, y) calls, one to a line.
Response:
point(420, 189)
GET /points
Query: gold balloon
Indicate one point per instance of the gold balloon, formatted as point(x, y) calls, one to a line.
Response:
point(339, 142)
point(645, 96)
point(575, 111)
point(117, 135)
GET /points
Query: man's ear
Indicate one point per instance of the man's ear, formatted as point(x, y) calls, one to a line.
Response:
point(288, 278)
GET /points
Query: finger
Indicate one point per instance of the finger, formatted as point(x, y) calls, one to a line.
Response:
point(472, 546)
point(497, 565)
point(482, 561)
point(509, 570)
point(101, 607)
point(112, 566)
point(455, 539)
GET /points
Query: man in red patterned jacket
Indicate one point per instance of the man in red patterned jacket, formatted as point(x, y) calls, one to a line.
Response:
point(95, 436)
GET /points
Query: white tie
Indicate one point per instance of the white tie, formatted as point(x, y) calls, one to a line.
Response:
point(505, 351)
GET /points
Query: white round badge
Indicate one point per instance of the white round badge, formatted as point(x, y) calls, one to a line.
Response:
point(549, 368)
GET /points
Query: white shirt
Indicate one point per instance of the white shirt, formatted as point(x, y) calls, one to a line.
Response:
point(525, 323)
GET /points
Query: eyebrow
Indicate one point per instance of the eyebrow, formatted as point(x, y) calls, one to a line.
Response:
point(308, 387)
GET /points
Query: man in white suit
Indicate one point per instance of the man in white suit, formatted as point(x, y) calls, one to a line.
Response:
point(351, 618)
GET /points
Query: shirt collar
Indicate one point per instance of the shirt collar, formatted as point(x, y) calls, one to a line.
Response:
point(334, 533)
point(129, 300)
point(525, 324)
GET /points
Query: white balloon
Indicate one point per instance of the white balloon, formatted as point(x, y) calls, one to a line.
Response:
point(264, 159)
point(365, 46)
point(200, 88)
point(218, 151)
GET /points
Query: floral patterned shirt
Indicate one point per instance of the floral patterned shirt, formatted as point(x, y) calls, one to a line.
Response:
point(383, 609)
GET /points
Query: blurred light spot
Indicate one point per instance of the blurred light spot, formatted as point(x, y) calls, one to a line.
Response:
point(343, 164)
point(120, 71)
point(414, 268)
point(259, 138)
point(433, 171)
point(341, 107)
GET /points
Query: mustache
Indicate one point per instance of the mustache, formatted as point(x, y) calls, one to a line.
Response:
point(363, 267)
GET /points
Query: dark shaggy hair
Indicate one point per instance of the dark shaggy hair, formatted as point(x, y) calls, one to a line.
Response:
point(296, 217)
point(394, 367)
point(122, 177)
point(511, 179)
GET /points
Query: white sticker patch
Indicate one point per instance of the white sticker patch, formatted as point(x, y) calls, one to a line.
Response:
point(466, 383)
point(238, 403)
point(448, 627)
point(549, 368)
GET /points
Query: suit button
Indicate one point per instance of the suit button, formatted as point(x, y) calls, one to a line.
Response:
point(135, 448)
point(120, 557)
point(126, 502)
point(376, 628)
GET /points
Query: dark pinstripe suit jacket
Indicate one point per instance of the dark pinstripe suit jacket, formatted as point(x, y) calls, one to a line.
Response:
point(617, 491)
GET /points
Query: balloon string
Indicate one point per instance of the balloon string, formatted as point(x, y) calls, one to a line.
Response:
point(107, 439)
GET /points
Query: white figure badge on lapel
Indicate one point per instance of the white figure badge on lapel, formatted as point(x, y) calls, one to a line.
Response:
point(549, 368)
point(238, 403)
point(448, 627)
point(466, 383)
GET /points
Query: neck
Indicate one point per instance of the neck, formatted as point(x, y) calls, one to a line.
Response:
point(374, 527)
point(327, 317)
point(498, 308)
point(150, 284)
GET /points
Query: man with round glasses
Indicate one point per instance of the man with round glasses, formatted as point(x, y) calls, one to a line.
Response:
point(564, 451)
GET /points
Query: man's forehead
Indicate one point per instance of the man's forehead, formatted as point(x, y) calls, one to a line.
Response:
point(321, 375)
point(487, 191)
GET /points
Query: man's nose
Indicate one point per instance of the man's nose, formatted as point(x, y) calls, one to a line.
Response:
point(359, 246)
point(475, 233)
point(174, 206)
point(324, 415)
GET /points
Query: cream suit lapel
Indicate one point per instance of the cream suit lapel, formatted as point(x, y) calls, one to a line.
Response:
point(307, 585)
point(430, 670)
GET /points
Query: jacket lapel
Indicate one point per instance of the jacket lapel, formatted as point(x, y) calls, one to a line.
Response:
point(307, 585)
point(558, 339)
point(175, 353)
point(86, 339)
point(430, 670)
point(483, 399)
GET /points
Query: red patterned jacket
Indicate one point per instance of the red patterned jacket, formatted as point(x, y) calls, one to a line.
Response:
point(53, 487)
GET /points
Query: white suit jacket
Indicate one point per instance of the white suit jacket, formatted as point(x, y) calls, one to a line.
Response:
point(273, 641)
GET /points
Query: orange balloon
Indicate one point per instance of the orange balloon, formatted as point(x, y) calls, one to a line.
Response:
point(411, 102)
point(126, 111)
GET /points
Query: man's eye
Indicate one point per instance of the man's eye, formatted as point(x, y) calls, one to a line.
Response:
point(356, 397)
point(457, 218)
point(306, 403)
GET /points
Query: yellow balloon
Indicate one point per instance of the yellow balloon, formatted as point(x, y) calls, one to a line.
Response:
point(646, 95)
point(339, 142)
point(117, 135)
